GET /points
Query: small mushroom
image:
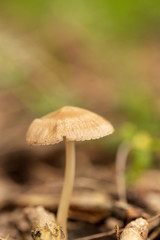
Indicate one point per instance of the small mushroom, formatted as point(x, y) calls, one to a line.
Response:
point(70, 124)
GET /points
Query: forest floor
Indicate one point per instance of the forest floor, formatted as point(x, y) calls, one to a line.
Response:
point(28, 180)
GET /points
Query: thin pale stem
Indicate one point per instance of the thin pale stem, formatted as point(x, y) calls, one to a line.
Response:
point(67, 187)
point(121, 161)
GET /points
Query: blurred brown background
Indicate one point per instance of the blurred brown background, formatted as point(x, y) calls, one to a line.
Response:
point(100, 55)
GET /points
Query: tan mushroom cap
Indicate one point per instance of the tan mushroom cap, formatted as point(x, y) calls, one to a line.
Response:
point(73, 123)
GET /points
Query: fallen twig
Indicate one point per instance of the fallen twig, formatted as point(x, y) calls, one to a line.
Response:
point(43, 224)
point(137, 229)
point(99, 235)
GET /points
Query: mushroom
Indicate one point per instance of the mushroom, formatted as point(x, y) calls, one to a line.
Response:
point(70, 124)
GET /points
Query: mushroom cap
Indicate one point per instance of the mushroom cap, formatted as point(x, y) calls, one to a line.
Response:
point(71, 123)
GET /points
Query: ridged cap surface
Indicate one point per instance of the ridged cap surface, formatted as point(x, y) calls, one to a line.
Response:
point(73, 123)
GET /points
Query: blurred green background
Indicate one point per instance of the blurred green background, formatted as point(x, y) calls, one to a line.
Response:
point(100, 55)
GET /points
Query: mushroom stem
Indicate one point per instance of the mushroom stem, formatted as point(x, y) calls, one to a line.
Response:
point(67, 187)
point(121, 162)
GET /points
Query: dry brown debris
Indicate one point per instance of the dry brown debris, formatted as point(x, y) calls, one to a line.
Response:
point(43, 224)
point(136, 230)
